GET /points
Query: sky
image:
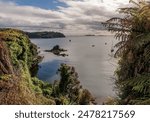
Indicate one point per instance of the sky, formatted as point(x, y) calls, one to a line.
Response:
point(71, 17)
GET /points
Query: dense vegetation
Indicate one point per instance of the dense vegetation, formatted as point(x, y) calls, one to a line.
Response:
point(45, 34)
point(133, 72)
point(18, 83)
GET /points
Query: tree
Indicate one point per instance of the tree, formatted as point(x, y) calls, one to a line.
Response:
point(133, 51)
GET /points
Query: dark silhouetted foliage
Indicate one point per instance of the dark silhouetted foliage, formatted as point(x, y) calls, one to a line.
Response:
point(133, 51)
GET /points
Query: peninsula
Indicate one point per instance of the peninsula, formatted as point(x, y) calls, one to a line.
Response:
point(45, 34)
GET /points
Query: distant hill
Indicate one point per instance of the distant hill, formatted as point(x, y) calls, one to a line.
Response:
point(45, 34)
point(90, 35)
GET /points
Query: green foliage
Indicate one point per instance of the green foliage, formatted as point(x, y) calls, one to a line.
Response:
point(19, 49)
point(56, 91)
point(69, 78)
point(85, 97)
point(37, 82)
point(23, 55)
point(133, 73)
point(5, 77)
point(141, 101)
point(43, 87)
point(37, 90)
point(69, 90)
point(140, 85)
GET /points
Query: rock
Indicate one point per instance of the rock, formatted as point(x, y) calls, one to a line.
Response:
point(57, 51)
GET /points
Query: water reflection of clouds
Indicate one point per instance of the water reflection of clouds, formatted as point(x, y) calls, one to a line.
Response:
point(93, 64)
point(49, 69)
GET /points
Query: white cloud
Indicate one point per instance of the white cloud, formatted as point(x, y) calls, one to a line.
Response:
point(79, 17)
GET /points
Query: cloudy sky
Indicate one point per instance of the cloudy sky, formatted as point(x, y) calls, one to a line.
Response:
point(72, 17)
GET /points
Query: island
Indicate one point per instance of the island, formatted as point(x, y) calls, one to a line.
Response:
point(90, 35)
point(45, 34)
point(56, 50)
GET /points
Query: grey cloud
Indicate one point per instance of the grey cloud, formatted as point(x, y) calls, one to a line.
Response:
point(80, 16)
point(100, 11)
point(53, 25)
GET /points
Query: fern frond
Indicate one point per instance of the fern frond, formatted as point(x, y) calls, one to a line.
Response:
point(132, 1)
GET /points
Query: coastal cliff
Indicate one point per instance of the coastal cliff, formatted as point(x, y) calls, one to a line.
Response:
point(18, 82)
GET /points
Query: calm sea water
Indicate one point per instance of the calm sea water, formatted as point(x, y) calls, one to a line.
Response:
point(94, 65)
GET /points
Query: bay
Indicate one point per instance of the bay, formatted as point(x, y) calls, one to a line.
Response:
point(91, 57)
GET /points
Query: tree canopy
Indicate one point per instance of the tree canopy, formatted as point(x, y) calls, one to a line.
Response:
point(133, 52)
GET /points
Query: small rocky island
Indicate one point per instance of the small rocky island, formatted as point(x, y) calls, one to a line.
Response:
point(56, 50)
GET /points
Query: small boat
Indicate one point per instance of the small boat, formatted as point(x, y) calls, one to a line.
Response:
point(112, 50)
